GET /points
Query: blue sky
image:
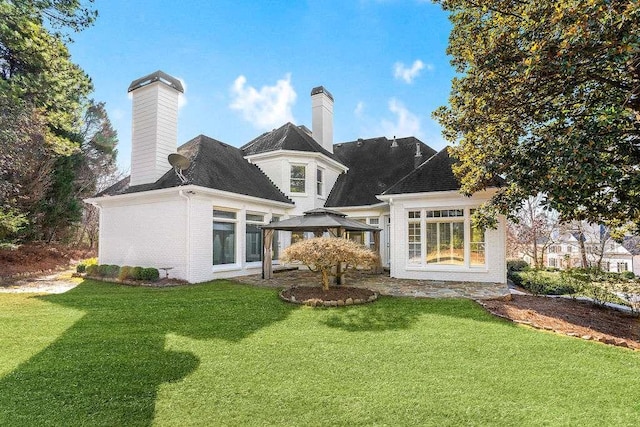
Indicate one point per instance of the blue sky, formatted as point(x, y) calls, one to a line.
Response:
point(249, 66)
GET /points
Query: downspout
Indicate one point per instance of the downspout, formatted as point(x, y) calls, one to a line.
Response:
point(99, 207)
point(188, 233)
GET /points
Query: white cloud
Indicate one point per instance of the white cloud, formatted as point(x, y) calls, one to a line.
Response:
point(266, 108)
point(359, 110)
point(401, 72)
point(406, 123)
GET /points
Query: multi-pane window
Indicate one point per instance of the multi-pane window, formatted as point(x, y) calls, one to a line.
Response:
point(319, 182)
point(297, 180)
point(622, 266)
point(415, 237)
point(253, 244)
point(224, 237)
point(444, 237)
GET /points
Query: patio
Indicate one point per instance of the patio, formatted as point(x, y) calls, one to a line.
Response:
point(385, 285)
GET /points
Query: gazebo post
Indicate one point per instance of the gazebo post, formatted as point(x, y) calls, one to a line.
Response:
point(340, 234)
point(267, 240)
point(376, 249)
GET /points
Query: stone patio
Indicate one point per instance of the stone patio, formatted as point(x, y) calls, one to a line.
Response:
point(385, 285)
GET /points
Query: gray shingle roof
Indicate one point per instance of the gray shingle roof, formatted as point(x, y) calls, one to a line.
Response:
point(632, 244)
point(374, 166)
point(286, 137)
point(216, 165)
point(433, 175)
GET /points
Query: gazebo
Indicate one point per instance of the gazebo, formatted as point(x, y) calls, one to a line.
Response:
point(318, 221)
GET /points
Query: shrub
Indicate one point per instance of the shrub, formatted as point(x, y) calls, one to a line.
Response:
point(628, 275)
point(540, 282)
point(112, 271)
point(93, 270)
point(125, 273)
point(136, 273)
point(81, 268)
point(150, 274)
point(517, 265)
point(102, 270)
point(323, 254)
point(90, 261)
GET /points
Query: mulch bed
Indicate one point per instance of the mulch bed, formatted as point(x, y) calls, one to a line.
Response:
point(581, 319)
point(335, 296)
point(36, 258)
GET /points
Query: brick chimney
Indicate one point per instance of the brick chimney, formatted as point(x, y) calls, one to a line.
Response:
point(322, 117)
point(154, 133)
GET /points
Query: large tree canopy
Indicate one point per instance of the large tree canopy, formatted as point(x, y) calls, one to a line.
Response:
point(55, 143)
point(548, 97)
point(36, 68)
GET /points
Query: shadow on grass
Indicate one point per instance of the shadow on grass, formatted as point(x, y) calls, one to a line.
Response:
point(106, 368)
point(401, 313)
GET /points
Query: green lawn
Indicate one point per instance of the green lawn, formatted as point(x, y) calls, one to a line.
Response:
point(226, 354)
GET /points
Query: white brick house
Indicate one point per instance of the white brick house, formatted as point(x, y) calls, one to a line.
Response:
point(207, 226)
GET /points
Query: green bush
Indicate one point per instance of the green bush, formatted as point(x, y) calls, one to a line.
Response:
point(81, 268)
point(517, 265)
point(113, 271)
point(102, 270)
point(93, 270)
point(540, 282)
point(136, 273)
point(126, 273)
point(150, 274)
point(628, 275)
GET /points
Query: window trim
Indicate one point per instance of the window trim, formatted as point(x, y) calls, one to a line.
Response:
point(236, 264)
point(411, 215)
point(320, 183)
point(291, 179)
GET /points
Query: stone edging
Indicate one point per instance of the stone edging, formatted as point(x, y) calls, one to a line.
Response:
point(604, 340)
point(317, 302)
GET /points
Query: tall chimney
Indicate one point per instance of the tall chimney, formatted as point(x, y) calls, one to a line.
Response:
point(322, 117)
point(154, 133)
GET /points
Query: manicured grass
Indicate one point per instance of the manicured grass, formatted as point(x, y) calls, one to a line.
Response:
point(227, 354)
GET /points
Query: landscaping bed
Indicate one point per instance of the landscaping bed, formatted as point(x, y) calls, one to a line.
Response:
point(36, 258)
point(571, 317)
point(335, 296)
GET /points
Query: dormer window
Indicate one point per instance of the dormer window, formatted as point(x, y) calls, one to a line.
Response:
point(297, 181)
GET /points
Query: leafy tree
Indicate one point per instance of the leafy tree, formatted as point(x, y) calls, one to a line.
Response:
point(35, 64)
point(323, 254)
point(548, 97)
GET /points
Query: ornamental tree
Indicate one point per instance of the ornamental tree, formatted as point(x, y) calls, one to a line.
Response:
point(324, 254)
point(548, 97)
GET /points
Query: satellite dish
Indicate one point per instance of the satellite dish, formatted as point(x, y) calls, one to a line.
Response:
point(179, 163)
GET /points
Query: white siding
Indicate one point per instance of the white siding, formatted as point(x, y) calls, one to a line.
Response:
point(149, 234)
point(154, 131)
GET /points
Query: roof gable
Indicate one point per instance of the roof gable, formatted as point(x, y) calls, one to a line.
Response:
point(287, 137)
point(374, 166)
point(216, 165)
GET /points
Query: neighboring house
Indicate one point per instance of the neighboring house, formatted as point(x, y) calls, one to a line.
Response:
point(205, 221)
point(565, 253)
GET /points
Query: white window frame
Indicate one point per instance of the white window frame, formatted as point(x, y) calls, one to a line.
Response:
point(320, 182)
point(423, 220)
point(236, 265)
point(291, 179)
point(253, 222)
